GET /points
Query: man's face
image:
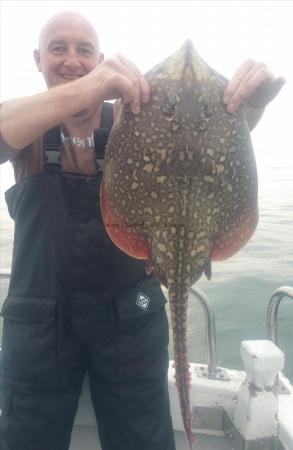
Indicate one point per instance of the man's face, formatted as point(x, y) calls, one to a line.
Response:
point(68, 50)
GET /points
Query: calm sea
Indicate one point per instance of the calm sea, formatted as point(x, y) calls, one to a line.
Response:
point(241, 287)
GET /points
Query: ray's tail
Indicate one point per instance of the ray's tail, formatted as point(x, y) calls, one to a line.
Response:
point(178, 308)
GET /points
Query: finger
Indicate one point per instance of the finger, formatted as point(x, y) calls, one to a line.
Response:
point(257, 76)
point(141, 90)
point(237, 78)
point(133, 96)
point(262, 87)
point(143, 84)
point(118, 86)
point(275, 87)
point(117, 109)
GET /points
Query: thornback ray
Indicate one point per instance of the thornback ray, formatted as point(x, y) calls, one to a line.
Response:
point(180, 187)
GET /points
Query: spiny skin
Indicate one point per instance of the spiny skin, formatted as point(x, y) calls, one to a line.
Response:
point(180, 186)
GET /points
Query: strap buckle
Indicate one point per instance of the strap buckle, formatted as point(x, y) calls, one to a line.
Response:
point(51, 150)
point(100, 165)
point(101, 136)
point(52, 154)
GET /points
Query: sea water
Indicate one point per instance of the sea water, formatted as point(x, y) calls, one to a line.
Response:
point(241, 286)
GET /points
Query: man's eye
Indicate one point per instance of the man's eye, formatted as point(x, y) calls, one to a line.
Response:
point(85, 51)
point(58, 49)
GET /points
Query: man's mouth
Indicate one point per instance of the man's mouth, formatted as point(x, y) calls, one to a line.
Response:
point(70, 77)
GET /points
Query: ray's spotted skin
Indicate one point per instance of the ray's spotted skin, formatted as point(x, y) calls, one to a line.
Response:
point(180, 186)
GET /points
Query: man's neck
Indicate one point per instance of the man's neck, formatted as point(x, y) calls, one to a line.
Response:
point(83, 124)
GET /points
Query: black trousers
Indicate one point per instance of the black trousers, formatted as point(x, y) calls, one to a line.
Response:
point(49, 345)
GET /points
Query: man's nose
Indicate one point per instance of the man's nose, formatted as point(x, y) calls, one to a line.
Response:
point(71, 59)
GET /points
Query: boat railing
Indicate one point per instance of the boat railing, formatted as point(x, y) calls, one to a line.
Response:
point(272, 324)
point(210, 329)
point(212, 370)
point(272, 311)
point(5, 274)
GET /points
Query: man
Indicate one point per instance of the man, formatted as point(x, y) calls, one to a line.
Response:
point(72, 304)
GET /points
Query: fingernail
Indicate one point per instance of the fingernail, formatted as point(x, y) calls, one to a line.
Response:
point(226, 99)
point(231, 108)
point(145, 98)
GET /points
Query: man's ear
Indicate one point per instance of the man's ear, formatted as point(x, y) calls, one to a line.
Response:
point(37, 58)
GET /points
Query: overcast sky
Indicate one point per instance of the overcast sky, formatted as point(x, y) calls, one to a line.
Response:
point(224, 33)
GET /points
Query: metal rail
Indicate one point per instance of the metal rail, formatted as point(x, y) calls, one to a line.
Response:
point(5, 274)
point(272, 311)
point(211, 331)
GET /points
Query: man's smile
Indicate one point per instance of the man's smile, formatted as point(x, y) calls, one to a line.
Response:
point(70, 77)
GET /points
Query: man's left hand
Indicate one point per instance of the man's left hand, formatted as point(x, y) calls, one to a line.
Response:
point(253, 83)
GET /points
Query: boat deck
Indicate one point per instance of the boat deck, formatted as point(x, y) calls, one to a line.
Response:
point(213, 426)
point(85, 437)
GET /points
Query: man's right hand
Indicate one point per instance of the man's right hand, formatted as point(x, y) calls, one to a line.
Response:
point(116, 78)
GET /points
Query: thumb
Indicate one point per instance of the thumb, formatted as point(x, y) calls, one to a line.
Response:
point(276, 86)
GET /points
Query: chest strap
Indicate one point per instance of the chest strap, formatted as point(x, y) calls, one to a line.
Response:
point(101, 135)
point(52, 142)
point(52, 150)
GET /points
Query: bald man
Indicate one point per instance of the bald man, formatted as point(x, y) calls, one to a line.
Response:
point(74, 304)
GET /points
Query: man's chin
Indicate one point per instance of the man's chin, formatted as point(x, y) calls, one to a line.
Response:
point(82, 113)
point(59, 81)
point(55, 83)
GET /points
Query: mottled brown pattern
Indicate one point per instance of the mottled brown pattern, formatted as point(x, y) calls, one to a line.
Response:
point(180, 186)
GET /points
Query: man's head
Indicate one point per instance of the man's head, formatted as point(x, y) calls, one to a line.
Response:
point(68, 48)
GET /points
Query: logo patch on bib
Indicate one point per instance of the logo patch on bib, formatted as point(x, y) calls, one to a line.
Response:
point(143, 301)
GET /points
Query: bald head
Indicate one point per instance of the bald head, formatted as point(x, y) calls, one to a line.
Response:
point(68, 19)
point(68, 48)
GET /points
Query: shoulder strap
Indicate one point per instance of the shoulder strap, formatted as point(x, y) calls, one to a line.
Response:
point(101, 134)
point(52, 150)
point(52, 142)
point(107, 115)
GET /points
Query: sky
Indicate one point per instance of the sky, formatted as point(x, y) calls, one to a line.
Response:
point(225, 33)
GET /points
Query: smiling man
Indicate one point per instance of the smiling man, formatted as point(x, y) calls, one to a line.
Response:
point(77, 38)
point(73, 302)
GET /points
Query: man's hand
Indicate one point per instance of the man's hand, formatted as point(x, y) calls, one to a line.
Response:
point(252, 84)
point(118, 78)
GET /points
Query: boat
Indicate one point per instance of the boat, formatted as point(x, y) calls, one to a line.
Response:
point(231, 409)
